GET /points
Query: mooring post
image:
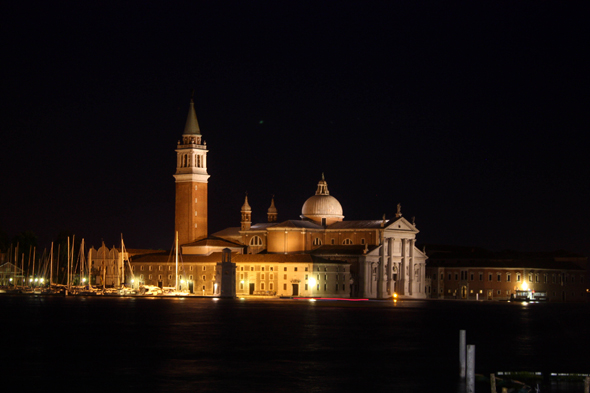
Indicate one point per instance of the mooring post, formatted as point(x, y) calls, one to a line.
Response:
point(470, 368)
point(462, 353)
point(493, 383)
point(587, 385)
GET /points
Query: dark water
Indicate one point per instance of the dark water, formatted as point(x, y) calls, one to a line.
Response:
point(203, 345)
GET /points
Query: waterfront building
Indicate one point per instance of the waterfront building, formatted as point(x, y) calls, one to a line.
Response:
point(478, 274)
point(319, 254)
point(11, 275)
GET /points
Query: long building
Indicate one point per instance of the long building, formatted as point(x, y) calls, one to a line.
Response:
point(478, 274)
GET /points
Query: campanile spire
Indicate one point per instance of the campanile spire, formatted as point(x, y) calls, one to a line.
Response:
point(191, 182)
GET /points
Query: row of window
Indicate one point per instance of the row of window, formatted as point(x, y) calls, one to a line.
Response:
point(554, 278)
point(262, 268)
point(257, 241)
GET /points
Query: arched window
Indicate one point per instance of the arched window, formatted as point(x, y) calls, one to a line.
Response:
point(317, 241)
point(262, 285)
point(347, 242)
point(256, 241)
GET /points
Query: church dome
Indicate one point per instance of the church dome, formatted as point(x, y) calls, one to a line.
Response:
point(322, 206)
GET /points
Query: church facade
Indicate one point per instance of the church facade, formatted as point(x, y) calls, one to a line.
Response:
point(317, 255)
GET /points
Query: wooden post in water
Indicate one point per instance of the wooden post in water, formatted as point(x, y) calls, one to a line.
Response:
point(587, 385)
point(470, 368)
point(493, 383)
point(462, 339)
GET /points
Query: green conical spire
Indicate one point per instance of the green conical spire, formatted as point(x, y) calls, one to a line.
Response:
point(192, 125)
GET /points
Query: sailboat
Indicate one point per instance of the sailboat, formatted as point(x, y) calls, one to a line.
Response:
point(177, 289)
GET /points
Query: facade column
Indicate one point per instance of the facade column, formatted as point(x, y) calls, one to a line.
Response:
point(411, 264)
point(402, 272)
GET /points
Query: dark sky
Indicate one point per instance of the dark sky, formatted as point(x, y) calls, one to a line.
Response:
point(470, 115)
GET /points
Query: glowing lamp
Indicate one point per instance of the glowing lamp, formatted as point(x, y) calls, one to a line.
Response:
point(312, 282)
point(395, 295)
point(525, 286)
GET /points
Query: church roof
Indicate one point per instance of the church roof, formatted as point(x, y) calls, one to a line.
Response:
point(228, 232)
point(298, 224)
point(213, 241)
point(357, 224)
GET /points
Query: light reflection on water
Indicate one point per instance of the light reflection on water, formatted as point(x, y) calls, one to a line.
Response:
point(165, 344)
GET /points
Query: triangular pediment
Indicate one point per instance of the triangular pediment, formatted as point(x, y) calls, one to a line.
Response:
point(400, 224)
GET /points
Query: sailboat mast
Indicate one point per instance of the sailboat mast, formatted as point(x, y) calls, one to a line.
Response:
point(34, 249)
point(176, 258)
point(122, 264)
point(68, 263)
point(81, 255)
point(51, 266)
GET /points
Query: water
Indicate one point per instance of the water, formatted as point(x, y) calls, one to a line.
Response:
point(203, 345)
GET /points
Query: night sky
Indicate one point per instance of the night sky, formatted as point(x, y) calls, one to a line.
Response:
point(470, 115)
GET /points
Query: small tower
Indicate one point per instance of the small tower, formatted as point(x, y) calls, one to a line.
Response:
point(272, 211)
point(246, 215)
point(225, 275)
point(191, 182)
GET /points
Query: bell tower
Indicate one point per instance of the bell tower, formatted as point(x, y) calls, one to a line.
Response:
point(191, 182)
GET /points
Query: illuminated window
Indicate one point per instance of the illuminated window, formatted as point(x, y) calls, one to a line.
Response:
point(530, 277)
point(262, 285)
point(150, 268)
point(262, 276)
point(242, 276)
point(150, 276)
point(271, 286)
point(160, 268)
point(285, 277)
point(317, 241)
point(251, 268)
point(140, 268)
point(272, 276)
point(285, 287)
point(241, 285)
point(191, 268)
point(242, 268)
point(347, 242)
point(141, 277)
point(306, 287)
